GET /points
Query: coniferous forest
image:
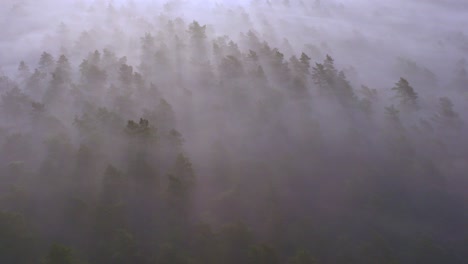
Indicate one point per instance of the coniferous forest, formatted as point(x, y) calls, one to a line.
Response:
point(256, 132)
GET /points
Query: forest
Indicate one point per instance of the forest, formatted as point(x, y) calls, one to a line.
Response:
point(232, 132)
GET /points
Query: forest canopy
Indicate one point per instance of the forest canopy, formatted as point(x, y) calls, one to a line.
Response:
point(258, 132)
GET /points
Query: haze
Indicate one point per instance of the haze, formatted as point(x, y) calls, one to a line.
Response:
point(260, 132)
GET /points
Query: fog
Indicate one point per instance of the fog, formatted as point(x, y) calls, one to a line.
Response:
point(263, 131)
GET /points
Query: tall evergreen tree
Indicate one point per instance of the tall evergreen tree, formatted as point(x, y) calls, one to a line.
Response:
point(405, 92)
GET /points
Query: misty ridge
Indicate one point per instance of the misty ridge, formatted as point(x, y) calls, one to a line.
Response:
point(257, 132)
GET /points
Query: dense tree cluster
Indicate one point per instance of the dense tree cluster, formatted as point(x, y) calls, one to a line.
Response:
point(194, 147)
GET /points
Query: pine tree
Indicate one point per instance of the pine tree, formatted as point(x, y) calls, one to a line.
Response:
point(23, 71)
point(46, 63)
point(405, 92)
point(446, 115)
point(305, 60)
point(329, 67)
point(197, 32)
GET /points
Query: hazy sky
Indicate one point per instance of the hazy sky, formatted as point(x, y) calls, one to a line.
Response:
point(424, 31)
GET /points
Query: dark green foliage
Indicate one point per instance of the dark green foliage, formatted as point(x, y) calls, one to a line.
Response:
point(126, 75)
point(305, 60)
point(181, 183)
point(62, 73)
point(14, 102)
point(366, 105)
point(231, 67)
point(46, 63)
point(368, 93)
point(183, 171)
point(240, 153)
point(114, 186)
point(263, 254)
point(169, 255)
point(320, 77)
point(142, 129)
point(91, 74)
point(393, 116)
point(345, 89)
point(204, 245)
point(302, 257)
point(123, 248)
point(197, 31)
point(408, 97)
point(23, 71)
point(16, 239)
point(330, 81)
point(59, 254)
point(446, 116)
point(235, 242)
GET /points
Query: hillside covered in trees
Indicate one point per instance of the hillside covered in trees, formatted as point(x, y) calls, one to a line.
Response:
point(261, 132)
